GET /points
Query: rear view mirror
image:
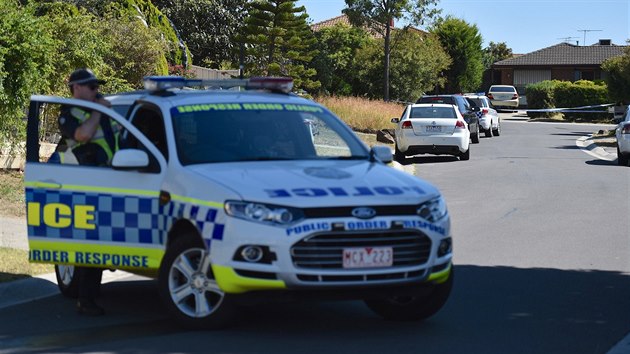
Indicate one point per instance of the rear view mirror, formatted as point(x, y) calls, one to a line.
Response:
point(395, 120)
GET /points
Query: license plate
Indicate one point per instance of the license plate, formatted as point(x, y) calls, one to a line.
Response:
point(368, 257)
point(434, 129)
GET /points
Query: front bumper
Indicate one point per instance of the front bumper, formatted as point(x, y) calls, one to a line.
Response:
point(291, 270)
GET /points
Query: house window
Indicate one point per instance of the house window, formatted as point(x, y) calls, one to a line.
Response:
point(584, 75)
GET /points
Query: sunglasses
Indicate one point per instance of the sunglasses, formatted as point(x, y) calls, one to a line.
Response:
point(92, 86)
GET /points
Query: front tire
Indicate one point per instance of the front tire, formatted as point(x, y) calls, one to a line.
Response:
point(413, 308)
point(189, 289)
point(497, 132)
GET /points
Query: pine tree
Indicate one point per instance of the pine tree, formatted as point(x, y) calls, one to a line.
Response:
point(279, 42)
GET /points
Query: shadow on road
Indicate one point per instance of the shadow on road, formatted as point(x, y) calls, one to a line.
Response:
point(422, 159)
point(491, 310)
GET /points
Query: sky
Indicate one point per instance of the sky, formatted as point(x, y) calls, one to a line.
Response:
point(524, 25)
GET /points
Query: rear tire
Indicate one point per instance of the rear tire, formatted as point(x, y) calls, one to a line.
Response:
point(465, 156)
point(188, 287)
point(497, 132)
point(413, 308)
point(622, 160)
point(398, 155)
point(475, 137)
point(67, 280)
point(489, 132)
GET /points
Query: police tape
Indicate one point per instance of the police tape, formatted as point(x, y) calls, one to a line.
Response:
point(582, 109)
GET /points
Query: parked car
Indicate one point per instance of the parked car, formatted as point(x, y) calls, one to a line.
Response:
point(503, 96)
point(468, 111)
point(428, 128)
point(489, 119)
point(622, 133)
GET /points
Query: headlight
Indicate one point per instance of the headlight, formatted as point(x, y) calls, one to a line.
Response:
point(263, 213)
point(433, 210)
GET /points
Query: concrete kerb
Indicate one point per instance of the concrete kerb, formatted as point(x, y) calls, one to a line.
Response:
point(41, 286)
point(589, 146)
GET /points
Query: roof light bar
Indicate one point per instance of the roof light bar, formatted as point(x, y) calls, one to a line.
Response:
point(161, 83)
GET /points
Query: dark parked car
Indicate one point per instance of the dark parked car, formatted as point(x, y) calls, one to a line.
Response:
point(466, 108)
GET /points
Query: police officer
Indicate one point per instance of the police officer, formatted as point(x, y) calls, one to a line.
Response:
point(88, 138)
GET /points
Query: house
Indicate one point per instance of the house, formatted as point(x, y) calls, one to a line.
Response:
point(563, 61)
point(343, 19)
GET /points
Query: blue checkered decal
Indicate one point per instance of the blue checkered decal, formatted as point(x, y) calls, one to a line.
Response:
point(125, 219)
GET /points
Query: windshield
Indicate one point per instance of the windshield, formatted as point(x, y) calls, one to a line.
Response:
point(230, 132)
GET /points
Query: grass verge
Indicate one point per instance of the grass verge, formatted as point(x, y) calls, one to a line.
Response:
point(14, 265)
point(12, 202)
point(362, 114)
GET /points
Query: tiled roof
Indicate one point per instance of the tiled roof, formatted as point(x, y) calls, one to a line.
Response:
point(565, 54)
point(344, 20)
point(330, 22)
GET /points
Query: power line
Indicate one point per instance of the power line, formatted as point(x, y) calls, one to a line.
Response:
point(584, 43)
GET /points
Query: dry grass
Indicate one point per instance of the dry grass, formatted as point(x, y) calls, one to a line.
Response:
point(362, 114)
point(14, 265)
point(12, 201)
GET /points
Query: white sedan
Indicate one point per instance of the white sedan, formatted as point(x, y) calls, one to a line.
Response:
point(489, 120)
point(431, 129)
point(622, 133)
point(503, 96)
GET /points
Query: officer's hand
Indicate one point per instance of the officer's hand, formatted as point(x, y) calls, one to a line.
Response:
point(100, 99)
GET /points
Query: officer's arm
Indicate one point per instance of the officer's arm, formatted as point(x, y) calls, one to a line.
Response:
point(87, 129)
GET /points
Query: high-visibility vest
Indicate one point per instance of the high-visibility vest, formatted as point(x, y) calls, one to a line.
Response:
point(98, 138)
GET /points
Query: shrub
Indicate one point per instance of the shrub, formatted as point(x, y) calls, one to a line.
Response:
point(565, 94)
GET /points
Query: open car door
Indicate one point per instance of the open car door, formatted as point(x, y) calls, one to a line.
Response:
point(107, 217)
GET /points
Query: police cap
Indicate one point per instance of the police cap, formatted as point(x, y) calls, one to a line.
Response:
point(83, 76)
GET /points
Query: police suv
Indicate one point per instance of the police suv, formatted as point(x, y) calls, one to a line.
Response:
point(236, 189)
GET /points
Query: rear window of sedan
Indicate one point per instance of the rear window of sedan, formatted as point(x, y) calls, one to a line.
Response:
point(502, 89)
point(433, 112)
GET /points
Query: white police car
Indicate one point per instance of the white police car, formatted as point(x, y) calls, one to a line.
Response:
point(222, 194)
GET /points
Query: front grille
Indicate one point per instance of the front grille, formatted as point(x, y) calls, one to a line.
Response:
point(360, 278)
point(339, 212)
point(325, 251)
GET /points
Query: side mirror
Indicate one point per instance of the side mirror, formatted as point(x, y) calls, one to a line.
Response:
point(130, 159)
point(382, 153)
point(395, 120)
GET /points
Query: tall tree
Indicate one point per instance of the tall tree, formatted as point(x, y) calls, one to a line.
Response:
point(618, 78)
point(462, 42)
point(495, 52)
point(278, 41)
point(208, 27)
point(416, 66)
point(379, 15)
point(335, 63)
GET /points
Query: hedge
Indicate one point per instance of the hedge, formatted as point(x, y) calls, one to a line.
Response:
point(566, 94)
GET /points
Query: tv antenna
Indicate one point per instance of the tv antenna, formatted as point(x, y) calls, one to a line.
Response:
point(587, 30)
point(568, 39)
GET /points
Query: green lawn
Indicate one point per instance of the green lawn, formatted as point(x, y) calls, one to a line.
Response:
point(14, 265)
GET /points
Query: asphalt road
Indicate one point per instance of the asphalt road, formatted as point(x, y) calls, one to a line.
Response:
point(542, 264)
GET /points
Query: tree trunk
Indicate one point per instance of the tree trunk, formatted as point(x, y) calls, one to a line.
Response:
point(387, 39)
